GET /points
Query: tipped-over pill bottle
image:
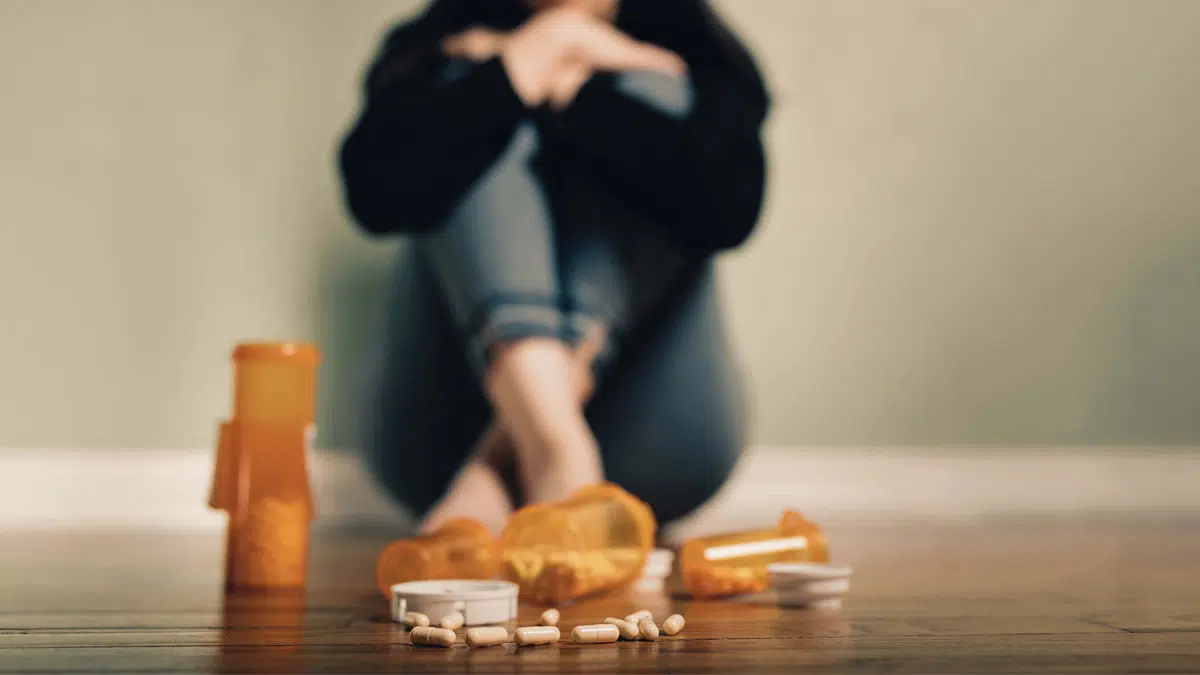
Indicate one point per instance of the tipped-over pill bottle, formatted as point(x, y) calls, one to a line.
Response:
point(736, 563)
point(462, 548)
point(595, 540)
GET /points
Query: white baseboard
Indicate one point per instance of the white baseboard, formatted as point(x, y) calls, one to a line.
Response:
point(149, 489)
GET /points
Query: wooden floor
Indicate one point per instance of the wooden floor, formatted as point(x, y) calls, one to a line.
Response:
point(1048, 596)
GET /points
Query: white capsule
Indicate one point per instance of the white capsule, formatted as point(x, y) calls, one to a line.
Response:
point(432, 637)
point(673, 624)
point(415, 619)
point(629, 629)
point(452, 622)
point(600, 632)
point(486, 636)
point(549, 618)
point(639, 615)
point(528, 636)
point(647, 629)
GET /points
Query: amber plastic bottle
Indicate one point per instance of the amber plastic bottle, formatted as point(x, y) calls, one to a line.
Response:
point(736, 563)
point(595, 540)
point(462, 548)
point(261, 473)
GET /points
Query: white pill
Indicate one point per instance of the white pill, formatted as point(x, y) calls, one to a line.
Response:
point(600, 632)
point(639, 615)
point(549, 618)
point(673, 624)
point(433, 637)
point(535, 635)
point(647, 629)
point(629, 629)
point(452, 622)
point(415, 619)
point(486, 636)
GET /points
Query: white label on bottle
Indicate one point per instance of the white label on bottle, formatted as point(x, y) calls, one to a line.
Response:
point(751, 548)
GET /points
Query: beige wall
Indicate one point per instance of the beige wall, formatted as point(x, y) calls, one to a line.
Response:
point(984, 220)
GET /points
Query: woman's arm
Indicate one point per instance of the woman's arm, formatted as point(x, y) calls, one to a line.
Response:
point(419, 142)
point(702, 174)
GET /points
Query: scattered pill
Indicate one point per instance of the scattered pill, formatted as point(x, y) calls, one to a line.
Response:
point(486, 636)
point(549, 618)
point(629, 629)
point(639, 615)
point(452, 622)
point(415, 620)
point(600, 632)
point(433, 637)
point(535, 635)
point(647, 629)
point(673, 624)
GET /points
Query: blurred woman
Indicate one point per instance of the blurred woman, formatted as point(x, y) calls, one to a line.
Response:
point(565, 172)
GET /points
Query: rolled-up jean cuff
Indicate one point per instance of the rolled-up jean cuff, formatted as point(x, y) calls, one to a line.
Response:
point(506, 322)
point(577, 327)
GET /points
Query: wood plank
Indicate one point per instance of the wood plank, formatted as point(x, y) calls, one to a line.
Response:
point(1169, 653)
point(1105, 596)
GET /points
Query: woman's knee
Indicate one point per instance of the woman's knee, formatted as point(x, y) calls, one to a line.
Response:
point(672, 94)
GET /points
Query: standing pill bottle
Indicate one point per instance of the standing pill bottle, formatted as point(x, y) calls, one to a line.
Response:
point(261, 473)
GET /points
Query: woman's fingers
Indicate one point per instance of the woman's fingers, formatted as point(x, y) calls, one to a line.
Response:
point(603, 47)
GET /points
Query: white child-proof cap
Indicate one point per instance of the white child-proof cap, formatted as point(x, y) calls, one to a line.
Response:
point(659, 565)
point(810, 584)
point(480, 602)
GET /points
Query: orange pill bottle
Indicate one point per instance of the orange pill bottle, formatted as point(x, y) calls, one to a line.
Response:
point(736, 563)
point(261, 475)
point(597, 539)
point(462, 548)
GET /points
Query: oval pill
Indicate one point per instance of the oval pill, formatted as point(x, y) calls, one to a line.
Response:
point(536, 635)
point(486, 636)
point(549, 618)
point(434, 637)
point(415, 619)
point(599, 632)
point(629, 630)
point(673, 624)
point(639, 615)
point(647, 629)
point(452, 622)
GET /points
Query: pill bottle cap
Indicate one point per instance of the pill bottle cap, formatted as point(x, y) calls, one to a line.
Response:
point(659, 564)
point(480, 602)
point(812, 585)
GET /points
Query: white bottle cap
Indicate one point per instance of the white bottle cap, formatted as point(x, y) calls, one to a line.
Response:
point(810, 584)
point(659, 564)
point(480, 602)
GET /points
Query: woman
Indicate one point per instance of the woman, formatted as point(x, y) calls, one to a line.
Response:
point(566, 170)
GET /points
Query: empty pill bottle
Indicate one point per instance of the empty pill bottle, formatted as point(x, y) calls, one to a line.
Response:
point(595, 540)
point(462, 548)
point(736, 563)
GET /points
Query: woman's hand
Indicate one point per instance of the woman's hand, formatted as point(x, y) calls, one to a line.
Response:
point(475, 43)
point(554, 53)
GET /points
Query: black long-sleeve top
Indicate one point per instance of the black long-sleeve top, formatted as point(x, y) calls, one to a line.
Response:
point(419, 142)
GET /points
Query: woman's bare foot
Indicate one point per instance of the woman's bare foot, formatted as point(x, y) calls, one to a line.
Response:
point(547, 385)
point(478, 491)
